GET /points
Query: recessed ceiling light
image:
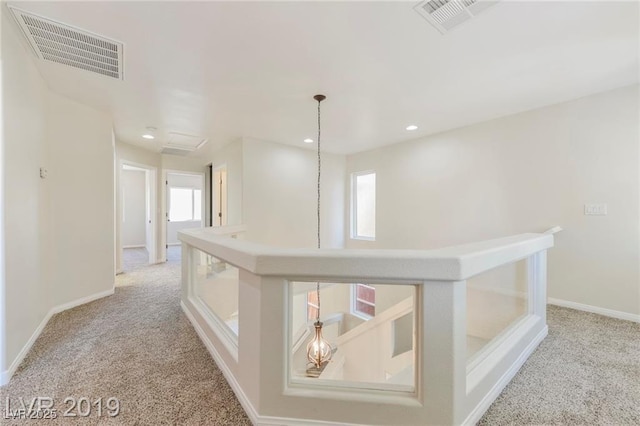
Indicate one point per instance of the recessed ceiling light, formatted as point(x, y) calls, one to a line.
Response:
point(412, 127)
point(149, 134)
point(308, 140)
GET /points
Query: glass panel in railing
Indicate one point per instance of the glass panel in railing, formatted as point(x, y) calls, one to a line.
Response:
point(216, 287)
point(368, 333)
point(496, 300)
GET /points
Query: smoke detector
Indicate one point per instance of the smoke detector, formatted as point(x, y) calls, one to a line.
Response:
point(447, 14)
point(57, 42)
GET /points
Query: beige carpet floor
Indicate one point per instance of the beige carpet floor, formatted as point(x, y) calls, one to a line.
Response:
point(138, 346)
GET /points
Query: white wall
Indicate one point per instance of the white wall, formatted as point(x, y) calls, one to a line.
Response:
point(2, 238)
point(186, 164)
point(81, 183)
point(58, 231)
point(523, 173)
point(134, 208)
point(279, 195)
point(25, 201)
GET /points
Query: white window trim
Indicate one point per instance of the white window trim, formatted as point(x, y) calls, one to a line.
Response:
point(354, 299)
point(354, 205)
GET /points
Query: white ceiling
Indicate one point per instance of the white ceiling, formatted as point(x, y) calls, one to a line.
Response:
point(224, 70)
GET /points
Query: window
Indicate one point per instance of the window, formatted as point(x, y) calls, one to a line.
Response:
point(185, 204)
point(363, 206)
point(363, 300)
point(312, 305)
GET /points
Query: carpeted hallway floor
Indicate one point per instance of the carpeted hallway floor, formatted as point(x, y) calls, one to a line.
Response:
point(138, 346)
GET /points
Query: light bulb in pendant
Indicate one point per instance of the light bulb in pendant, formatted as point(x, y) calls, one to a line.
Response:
point(319, 351)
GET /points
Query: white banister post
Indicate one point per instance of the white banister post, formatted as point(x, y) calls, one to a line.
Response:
point(274, 320)
point(443, 363)
point(261, 352)
point(187, 273)
point(537, 272)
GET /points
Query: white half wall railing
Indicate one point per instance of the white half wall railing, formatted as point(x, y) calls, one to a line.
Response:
point(451, 326)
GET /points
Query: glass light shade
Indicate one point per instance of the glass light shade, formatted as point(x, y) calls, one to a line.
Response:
point(319, 351)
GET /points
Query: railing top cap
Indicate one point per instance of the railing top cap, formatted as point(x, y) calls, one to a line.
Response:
point(449, 263)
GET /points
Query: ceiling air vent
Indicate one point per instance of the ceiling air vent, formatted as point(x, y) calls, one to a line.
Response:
point(447, 14)
point(64, 44)
point(181, 144)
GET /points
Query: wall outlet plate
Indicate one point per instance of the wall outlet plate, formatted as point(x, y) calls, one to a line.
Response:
point(595, 209)
point(43, 173)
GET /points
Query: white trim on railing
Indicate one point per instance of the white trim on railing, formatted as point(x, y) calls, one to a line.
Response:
point(448, 264)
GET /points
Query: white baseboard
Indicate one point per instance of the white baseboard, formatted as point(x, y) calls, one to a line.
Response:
point(242, 397)
point(594, 310)
point(82, 301)
point(495, 391)
point(6, 375)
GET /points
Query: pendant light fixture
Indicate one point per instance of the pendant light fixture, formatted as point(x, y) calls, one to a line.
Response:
point(319, 351)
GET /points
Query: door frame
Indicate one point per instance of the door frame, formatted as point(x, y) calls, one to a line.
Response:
point(215, 199)
point(164, 213)
point(151, 174)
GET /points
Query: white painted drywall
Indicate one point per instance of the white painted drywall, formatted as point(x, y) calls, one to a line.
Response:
point(2, 243)
point(280, 199)
point(80, 156)
point(25, 199)
point(58, 231)
point(134, 208)
point(187, 164)
point(522, 173)
point(181, 180)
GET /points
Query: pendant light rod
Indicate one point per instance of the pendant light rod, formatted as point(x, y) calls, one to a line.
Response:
point(319, 351)
point(318, 98)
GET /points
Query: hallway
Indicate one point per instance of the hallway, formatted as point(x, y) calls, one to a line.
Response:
point(136, 346)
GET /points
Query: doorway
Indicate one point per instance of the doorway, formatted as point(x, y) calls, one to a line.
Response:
point(184, 208)
point(137, 230)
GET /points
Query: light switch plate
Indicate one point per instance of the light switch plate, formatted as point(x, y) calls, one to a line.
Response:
point(595, 209)
point(43, 173)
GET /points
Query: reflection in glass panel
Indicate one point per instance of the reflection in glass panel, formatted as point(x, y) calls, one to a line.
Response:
point(496, 299)
point(312, 305)
point(197, 204)
point(373, 353)
point(366, 205)
point(217, 287)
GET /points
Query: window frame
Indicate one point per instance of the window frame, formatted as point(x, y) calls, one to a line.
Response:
point(355, 300)
point(354, 205)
